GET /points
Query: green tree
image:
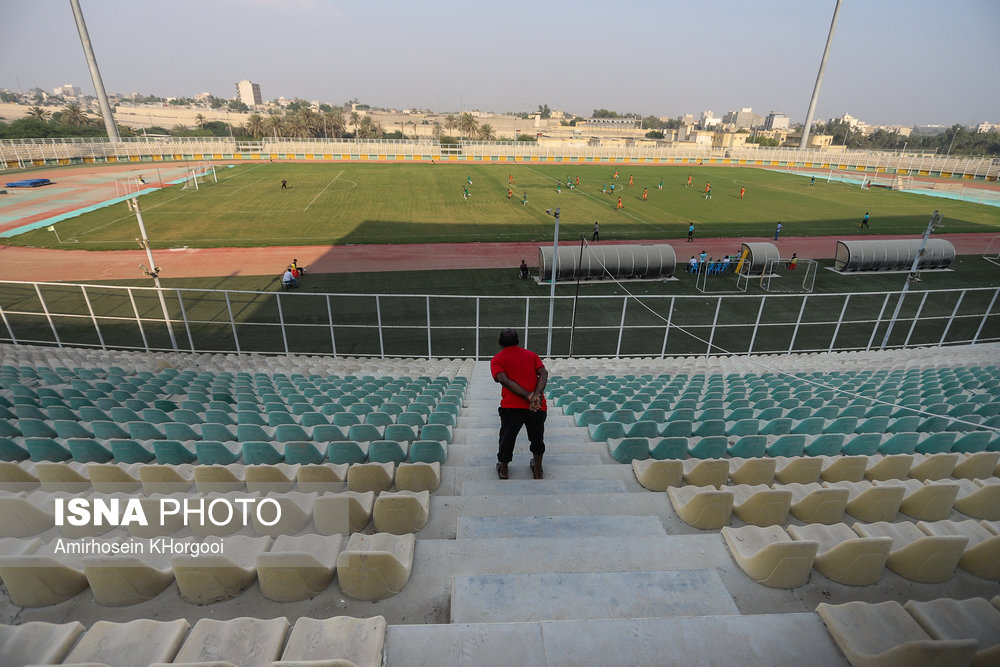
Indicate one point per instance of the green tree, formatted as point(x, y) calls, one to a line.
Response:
point(39, 113)
point(486, 132)
point(237, 106)
point(467, 124)
point(437, 131)
point(450, 122)
point(255, 125)
point(544, 111)
point(73, 115)
point(654, 134)
point(200, 120)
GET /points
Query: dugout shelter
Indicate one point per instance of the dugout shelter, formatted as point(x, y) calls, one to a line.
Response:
point(624, 262)
point(892, 255)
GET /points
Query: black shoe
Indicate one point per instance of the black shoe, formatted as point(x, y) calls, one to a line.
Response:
point(502, 470)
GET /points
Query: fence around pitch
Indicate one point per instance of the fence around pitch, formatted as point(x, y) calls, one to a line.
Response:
point(48, 152)
point(442, 326)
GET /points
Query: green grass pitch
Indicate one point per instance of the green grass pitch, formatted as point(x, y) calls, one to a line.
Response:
point(422, 203)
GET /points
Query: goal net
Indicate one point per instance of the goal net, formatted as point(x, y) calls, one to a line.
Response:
point(789, 275)
point(200, 175)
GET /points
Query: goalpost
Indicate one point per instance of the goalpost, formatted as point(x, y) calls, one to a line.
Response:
point(200, 175)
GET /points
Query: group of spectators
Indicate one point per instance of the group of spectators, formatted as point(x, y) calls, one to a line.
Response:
point(290, 278)
point(702, 264)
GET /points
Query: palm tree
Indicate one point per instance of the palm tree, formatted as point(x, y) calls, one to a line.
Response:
point(255, 125)
point(487, 133)
point(39, 113)
point(298, 127)
point(179, 129)
point(467, 124)
point(334, 123)
point(73, 115)
point(274, 125)
point(437, 131)
point(311, 120)
point(450, 122)
point(200, 121)
point(355, 120)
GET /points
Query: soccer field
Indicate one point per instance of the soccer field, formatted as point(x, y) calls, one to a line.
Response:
point(374, 203)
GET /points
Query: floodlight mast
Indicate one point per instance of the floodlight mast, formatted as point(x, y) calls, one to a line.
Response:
point(804, 142)
point(95, 74)
point(552, 277)
point(153, 272)
point(914, 275)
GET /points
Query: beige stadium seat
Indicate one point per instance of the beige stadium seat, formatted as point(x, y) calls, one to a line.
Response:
point(218, 522)
point(916, 555)
point(375, 567)
point(246, 642)
point(217, 478)
point(706, 472)
point(343, 513)
point(296, 514)
point(68, 477)
point(158, 478)
point(769, 556)
point(982, 554)
point(798, 469)
point(930, 501)
point(978, 465)
point(24, 515)
point(933, 466)
point(38, 643)
point(15, 546)
point(815, 503)
point(14, 478)
point(401, 512)
point(158, 526)
point(213, 577)
point(868, 502)
point(298, 568)
point(140, 642)
point(843, 556)
point(891, 466)
point(884, 634)
point(653, 474)
point(703, 507)
point(362, 477)
point(340, 641)
point(752, 471)
point(276, 478)
point(418, 476)
point(761, 505)
point(43, 577)
point(843, 468)
point(121, 580)
point(974, 618)
point(979, 498)
point(115, 477)
point(322, 477)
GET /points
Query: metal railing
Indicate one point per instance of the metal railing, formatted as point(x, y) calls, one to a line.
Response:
point(444, 326)
point(40, 152)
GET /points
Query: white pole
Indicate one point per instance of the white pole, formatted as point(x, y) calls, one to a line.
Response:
point(935, 221)
point(552, 289)
point(154, 273)
point(806, 129)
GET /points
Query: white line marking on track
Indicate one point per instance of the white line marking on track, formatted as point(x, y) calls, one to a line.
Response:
point(322, 191)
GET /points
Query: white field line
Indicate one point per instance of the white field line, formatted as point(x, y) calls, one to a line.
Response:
point(322, 191)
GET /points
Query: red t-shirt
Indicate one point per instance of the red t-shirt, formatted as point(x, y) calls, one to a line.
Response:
point(521, 366)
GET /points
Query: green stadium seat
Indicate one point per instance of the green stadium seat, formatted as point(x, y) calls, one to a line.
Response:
point(46, 449)
point(842, 425)
point(251, 433)
point(787, 445)
point(130, 451)
point(668, 448)
point(88, 450)
point(291, 433)
point(748, 447)
point(406, 433)
point(219, 432)
point(710, 447)
point(865, 444)
point(71, 429)
point(712, 427)
point(606, 431)
point(976, 441)
point(936, 443)
point(626, 450)
point(387, 451)
point(262, 453)
point(907, 424)
point(828, 444)
point(642, 429)
point(175, 431)
point(35, 428)
point(680, 428)
point(872, 425)
point(347, 451)
point(428, 451)
point(346, 419)
point(155, 416)
point(779, 426)
point(899, 443)
point(214, 452)
point(218, 417)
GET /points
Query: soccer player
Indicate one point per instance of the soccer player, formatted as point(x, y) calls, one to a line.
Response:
point(689, 182)
point(812, 181)
point(612, 189)
point(510, 179)
point(510, 193)
point(604, 188)
point(691, 233)
point(742, 191)
point(615, 177)
point(468, 177)
point(577, 181)
point(620, 204)
point(630, 181)
point(644, 195)
point(660, 186)
point(465, 192)
point(708, 193)
point(558, 187)
point(284, 184)
point(524, 199)
point(708, 187)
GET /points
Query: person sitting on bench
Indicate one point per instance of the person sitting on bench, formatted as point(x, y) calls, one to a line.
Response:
point(524, 269)
point(288, 280)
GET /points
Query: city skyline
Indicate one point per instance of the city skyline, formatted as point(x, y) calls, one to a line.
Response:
point(688, 59)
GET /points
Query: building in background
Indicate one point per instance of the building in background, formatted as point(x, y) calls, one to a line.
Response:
point(249, 93)
point(776, 121)
point(68, 91)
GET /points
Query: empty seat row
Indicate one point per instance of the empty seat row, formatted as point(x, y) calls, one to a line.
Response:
point(926, 552)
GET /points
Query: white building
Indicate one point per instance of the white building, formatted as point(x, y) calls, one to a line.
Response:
point(249, 93)
point(67, 91)
point(776, 121)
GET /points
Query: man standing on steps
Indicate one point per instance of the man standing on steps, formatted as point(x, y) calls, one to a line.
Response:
point(522, 377)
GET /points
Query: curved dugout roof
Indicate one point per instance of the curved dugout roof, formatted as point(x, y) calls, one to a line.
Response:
point(759, 255)
point(621, 261)
point(892, 255)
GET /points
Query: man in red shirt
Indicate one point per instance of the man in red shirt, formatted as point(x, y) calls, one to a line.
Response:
point(522, 377)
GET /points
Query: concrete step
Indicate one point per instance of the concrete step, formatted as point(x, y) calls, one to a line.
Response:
point(498, 598)
point(693, 641)
point(480, 455)
point(518, 487)
point(481, 527)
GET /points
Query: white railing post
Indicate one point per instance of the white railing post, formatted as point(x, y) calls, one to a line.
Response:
point(916, 318)
point(93, 318)
point(715, 321)
point(138, 319)
point(6, 323)
point(428, 302)
point(840, 320)
point(281, 322)
point(666, 328)
point(798, 322)
point(951, 319)
point(878, 320)
point(756, 324)
point(329, 317)
point(986, 315)
point(621, 328)
point(184, 318)
point(527, 310)
point(378, 314)
point(477, 330)
point(48, 316)
point(232, 322)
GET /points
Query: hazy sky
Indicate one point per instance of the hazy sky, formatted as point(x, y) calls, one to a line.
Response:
point(892, 61)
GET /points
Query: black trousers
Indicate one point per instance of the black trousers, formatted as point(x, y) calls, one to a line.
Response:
point(511, 421)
